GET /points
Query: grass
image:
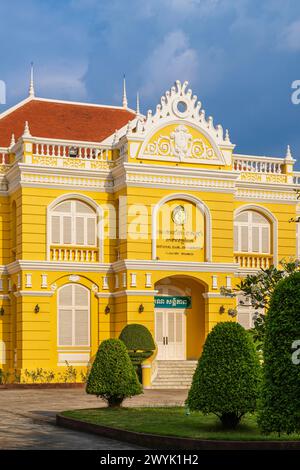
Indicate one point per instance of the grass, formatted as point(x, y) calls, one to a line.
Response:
point(174, 422)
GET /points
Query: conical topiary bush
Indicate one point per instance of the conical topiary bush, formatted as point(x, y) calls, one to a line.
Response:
point(226, 381)
point(112, 375)
point(279, 409)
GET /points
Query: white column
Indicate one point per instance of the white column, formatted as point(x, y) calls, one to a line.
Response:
point(215, 282)
point(44, 283)
point(148, 282)
point(28, 282)
point(132, 279)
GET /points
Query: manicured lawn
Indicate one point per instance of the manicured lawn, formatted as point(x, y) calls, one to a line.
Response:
point(173, 422)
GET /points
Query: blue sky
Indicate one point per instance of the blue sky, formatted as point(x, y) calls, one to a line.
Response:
point(239, 56)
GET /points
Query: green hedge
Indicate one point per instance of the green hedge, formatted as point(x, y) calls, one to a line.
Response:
point(280, 401)
point(137, 338)
point(112, 375)
point(226, 381)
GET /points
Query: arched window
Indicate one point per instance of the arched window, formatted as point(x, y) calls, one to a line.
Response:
point(73, 223)
point(252, 233)
point(73, 316)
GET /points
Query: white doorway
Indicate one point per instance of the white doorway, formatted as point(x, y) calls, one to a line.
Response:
point(170, 334)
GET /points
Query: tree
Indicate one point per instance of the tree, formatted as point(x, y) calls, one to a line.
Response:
point(112, 375)
point(139, 343)
point(227, 377)
point(259, 288)
point(280, 401)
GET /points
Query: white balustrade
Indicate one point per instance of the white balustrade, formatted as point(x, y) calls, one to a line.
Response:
point(257, 165)
point(296, 177)
point(79, 255)
point(82, 151)
point(253, 261)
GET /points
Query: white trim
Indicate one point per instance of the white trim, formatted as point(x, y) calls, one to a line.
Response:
point(56, 266)
point(268, 214)
point(214, 295)
point(177, 266)
point(126, 292)
point(79, 103)
point(33, 293)
point(99, 221)
point(4, 297)
point(200, 205)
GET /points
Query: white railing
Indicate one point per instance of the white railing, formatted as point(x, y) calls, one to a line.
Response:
point(86, 151)
point(296, 177)
point(253, 261)
point(253, 164)
point(3, 156)
point(74, 254)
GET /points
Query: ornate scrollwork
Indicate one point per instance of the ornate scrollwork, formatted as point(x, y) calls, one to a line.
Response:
point(180, 144)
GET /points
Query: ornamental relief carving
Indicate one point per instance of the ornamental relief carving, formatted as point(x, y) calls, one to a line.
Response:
point(180, 144)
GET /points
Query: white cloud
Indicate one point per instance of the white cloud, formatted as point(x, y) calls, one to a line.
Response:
point(63, 80)
point(173, 59)
point(290, 37)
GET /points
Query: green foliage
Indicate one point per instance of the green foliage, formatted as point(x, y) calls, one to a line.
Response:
point(226, 381)
point(137, 338)
point(112, 375)
point(280, 401)
point(259, 288)
point(139, 343)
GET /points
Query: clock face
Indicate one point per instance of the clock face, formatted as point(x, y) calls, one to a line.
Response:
point(179, 215)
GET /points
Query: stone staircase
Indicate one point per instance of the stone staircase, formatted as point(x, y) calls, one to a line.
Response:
point(174, 374)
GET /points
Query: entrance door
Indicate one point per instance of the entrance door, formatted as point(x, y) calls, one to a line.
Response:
point(170, 334)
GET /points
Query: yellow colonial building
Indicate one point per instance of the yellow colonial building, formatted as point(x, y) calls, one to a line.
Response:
point(109, 217)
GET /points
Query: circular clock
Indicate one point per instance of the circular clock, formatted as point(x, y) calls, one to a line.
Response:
point(179, 215)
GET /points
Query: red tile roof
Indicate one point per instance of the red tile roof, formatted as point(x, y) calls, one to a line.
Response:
point(62, 120)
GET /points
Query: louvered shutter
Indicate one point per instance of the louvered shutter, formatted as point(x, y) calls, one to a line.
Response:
point(65, 327)
point(67, 229)
point(91, 231)
point(55, 226)
point(79, 230)
point(81, 328)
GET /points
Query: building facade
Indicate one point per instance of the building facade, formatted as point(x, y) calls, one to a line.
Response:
point(109, 217)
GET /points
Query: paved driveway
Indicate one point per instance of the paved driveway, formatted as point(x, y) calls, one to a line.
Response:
point(27, 418)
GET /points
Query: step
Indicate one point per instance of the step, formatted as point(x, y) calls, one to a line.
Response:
point(170, 387)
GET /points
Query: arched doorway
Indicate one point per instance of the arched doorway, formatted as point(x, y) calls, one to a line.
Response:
point(179, 318)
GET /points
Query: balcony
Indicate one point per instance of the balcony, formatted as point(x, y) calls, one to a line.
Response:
point(74, 254)
point(259, 169)
point(253, 260)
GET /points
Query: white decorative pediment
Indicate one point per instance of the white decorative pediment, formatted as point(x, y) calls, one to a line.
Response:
point(179, 103)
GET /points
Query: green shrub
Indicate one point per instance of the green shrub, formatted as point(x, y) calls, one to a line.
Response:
point(112, 375)
point(279, 409)
point(227, 377)
point(137, 338)
point(139, 343)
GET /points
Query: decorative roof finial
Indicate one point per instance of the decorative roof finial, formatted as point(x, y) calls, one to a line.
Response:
point(288, 153)
point(227, 138)
point(26, 132)
point(138, 104)
point(12, 141)
point(125, 102)
point(31, 86)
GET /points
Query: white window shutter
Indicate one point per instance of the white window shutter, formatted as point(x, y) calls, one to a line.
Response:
point(81, 328)
point(65, 328)
point(91, 231)
point(55, 227)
